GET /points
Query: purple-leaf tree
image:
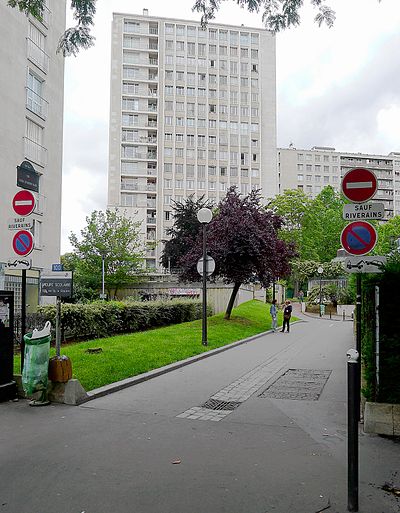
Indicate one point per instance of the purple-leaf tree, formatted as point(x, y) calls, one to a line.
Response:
point(242, 239)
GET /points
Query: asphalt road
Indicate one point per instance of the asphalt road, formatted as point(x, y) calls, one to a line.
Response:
point(134, 452)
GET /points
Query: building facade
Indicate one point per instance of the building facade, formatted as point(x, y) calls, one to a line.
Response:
point(31, 128)
point(312, 170)
point(193, 111)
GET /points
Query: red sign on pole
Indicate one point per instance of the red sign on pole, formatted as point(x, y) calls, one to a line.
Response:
point(24, 203)
point(23, 243)
point(359, 185)
point(358, 238)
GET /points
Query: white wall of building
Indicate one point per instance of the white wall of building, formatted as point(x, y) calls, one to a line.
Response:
point(31, 128)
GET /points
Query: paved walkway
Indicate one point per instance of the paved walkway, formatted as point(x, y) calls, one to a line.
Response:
point(160, 447)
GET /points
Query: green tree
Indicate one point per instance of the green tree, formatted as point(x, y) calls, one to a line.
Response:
point(276, 14)
point(115, 238)
point(322, 225)
point(291, 206)
point(388, 233)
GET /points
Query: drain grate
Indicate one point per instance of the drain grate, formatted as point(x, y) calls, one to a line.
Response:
point(216, 404)
point(298, 384)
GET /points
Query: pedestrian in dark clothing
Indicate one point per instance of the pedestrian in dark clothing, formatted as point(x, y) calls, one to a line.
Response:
point(287, 313)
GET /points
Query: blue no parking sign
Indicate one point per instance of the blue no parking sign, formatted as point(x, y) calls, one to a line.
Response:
point(358, 238)
point(23, 243)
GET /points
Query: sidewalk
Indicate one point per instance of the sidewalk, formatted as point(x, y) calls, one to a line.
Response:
point(155, 447)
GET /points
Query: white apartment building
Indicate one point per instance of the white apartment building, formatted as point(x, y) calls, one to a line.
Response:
point(312, 170)
point(31, 128)
point(193, 111)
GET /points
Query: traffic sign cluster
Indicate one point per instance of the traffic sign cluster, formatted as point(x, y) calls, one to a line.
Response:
point(359, 237)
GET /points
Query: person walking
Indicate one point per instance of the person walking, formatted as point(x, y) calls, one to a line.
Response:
point(287, 313)
point(274, 312)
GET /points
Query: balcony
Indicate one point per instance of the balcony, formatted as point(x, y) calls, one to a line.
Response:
point(153, 61)
point(153, 92)
point(153, 46)
point(152, 172)
point(35, 152)
point(153, 77)
point(151, 203)
point(151, 187)
point(151, 155)
point(152, 123)
point(38, 56)
point(151, 107)
point(35, 103)
point(151, 220)
point(153, 31)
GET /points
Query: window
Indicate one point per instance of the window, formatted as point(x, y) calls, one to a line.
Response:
point(223, 80)
point(191, 31)
point(211, 186)
point(201, 123)
point(129, 200)
point(201, 184)
point(201, 154)
point(222, 171)
point(233, 109)
point(190, 122)
point(179, 168)
point(169, 29)
point(169, 44)
point(212, 33)
point(169, 59)
point(300, 177)
point(178, 184)
point(254, 54)
point(326, 169)
point(191, 91)
point(189, 170)
point(244, 97)
point(234, 126)
point(180, 121)
point(244, 157)
point(212, 63)
point(201, 48)
point(212, 49)
point(180, 90)
point(201, 140)
point(255, 173)
point(326, 179)
point(169, 90)
point(168, 167)
point(180, 46)
point(212, 170)
point(131, 26)
point(190, 184)
point(244, 67)
point(233, 66)
point(244, 38)
point(254, 83)
point(234, 97)
point(180, 106)
point(168, 120)
point(201, 171)
point(202, 92)
point(212, 108)
point(167, 183)
point(244, 111)
point(212, 123)
point(326, 158)
point(180, 76)
point(233, 51)
point(244, 173)
point(317, 178)
point(254, 127)
point(179, 152)
point(167, 199)
point(244, 81)
point(223, 50)
point(190, 140)
point(223, 109)
point(34, 95)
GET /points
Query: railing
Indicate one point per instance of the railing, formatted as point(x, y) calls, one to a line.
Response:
point(152, 172)
point(151, 187)
point(153, 77)
point(38, 56)
point(151, 155)
point(152, 108)
point(153, 92)
point(151, 220)
point(152, 124)
point(151, 203)
point(153, 31)
point(36, 103)
point(35, 152)
point(153, 62)
point(153, 46)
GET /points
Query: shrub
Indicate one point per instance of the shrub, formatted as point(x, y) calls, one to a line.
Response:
point(104, 318)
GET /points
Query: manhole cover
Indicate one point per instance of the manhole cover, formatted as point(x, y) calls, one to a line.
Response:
point(298, 384)
point(215, 404)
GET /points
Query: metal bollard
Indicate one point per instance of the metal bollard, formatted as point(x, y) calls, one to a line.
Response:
point(352, 429)
point(344, 315)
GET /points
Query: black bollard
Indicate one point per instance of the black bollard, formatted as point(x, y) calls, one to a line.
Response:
point(352, 429)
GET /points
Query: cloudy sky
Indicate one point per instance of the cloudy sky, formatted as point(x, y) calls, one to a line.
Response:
point(336, 87)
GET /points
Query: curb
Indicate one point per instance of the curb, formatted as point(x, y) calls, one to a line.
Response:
point(140, 378)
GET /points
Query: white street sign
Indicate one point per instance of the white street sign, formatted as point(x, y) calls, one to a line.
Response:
point(210, 265)
point(19, 263)
point(364, 264)
point(66, 275)
point(20, 223)
point(363, 211)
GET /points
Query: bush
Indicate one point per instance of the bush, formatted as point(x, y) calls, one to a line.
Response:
point(104, 318)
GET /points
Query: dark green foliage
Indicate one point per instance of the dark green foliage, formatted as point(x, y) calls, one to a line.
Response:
point(389, 317)
point(101, 319)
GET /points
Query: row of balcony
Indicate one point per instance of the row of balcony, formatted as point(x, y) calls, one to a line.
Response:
point(136, 187)
point(35, 103)
point(37, 55)
point(144, 140)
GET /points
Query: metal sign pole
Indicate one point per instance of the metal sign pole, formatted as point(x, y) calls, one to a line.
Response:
point(23, 316)
point(58, 327)
point(358, 339)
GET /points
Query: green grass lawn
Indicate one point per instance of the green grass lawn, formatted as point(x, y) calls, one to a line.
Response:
point(127, 355)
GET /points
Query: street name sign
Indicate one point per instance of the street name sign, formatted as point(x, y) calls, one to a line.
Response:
point(57, 267)
point(24, 203)
point(20, 223)
point(57, 283)
point(358, 238)
point(27, 177)
point(363, 211)
point(23, 243)
point(366, 264)
point(359, 185)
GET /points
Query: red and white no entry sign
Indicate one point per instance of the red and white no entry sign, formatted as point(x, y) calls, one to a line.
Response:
point(359, 185)
point(358, 238)
point(24, 203)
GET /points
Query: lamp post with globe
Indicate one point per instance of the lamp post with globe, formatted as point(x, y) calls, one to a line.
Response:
point(204, 216)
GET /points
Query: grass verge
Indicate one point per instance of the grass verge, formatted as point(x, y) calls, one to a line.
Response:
point(128, 355)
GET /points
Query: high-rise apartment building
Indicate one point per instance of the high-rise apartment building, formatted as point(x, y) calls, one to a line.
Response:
point(193, 111)
point(312, 170)
point(31, 128)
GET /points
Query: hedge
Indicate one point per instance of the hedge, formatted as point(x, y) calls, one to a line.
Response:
point(105, 318)
point(389, 329)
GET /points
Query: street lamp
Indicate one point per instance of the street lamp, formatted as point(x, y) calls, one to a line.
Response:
point(320, 271)
point(204, 216)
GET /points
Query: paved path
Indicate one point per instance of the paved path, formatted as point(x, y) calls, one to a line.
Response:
point(155, 448)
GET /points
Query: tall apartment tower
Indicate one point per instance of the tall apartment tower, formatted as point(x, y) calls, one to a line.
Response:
point(193, 111)
point(312, 170)
point(31, 128)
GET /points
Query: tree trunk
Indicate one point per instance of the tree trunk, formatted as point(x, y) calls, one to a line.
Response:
point(235, 290)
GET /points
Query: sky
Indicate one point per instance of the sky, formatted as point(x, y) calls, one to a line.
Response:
point(337, 87)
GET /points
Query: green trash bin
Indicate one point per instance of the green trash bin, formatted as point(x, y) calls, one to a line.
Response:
point(35, 374)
